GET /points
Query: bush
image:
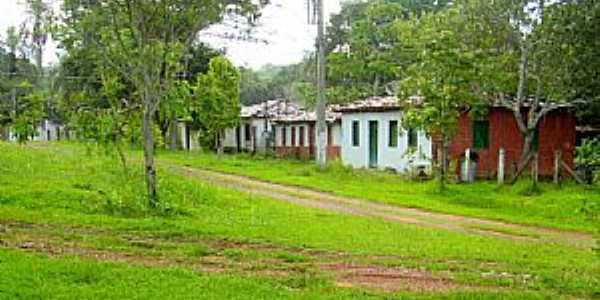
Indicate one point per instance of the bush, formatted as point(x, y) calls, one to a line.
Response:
point(587, 158)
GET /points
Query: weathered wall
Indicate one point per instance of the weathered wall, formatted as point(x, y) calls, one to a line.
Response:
point(556, 132)
point(396, 158)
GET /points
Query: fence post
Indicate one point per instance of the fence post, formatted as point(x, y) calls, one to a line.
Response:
point(467, 170)
point(501, 156)
point(557, 159)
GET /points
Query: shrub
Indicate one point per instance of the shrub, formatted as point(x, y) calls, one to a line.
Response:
point(587, 158)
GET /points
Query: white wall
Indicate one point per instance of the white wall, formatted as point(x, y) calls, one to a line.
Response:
point(229, 140)
point(49, 131)
point(388, 157)
point(336, 134)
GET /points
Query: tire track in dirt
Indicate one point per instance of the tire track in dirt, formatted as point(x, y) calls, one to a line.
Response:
point(347, 205)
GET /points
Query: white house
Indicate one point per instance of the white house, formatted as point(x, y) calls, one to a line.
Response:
point(373, 137)
point(47, 130)
point(255, 132)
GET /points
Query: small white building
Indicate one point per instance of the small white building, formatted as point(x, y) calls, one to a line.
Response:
point(189, 137)
point(46, 131)
point(255, 132)
point(373, 137)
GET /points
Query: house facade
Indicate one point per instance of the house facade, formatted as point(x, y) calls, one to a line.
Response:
point(46, 131)
point(373, 136)
point(295, 134)
point(255, 132)
point(499, 130)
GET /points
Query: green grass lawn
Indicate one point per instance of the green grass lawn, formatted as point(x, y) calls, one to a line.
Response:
point(569, 206)
point(73, 225)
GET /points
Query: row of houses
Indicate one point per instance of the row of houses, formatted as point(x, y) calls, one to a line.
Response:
point(47, 130)
point(369, 134)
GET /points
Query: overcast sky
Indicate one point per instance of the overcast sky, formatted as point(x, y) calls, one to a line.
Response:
point(282, 36)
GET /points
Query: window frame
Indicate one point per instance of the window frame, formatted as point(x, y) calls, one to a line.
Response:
point(393, 134)
point(355, 133)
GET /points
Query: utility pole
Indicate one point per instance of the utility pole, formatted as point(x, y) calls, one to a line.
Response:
point(321, 126)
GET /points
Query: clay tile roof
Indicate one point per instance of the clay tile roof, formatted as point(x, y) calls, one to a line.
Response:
point(303, 115)
point(270, 109)
point(371, 104)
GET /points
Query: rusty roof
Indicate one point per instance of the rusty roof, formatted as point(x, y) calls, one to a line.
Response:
point(371, 104)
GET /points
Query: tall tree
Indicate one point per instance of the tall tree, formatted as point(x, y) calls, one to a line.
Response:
point(144, 42)
point(216, 99)
point(438, 85)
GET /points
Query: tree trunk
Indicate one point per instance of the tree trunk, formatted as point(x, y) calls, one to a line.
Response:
point(443, 164)
point(219, 145)
point(150, 170)
point(526, 155)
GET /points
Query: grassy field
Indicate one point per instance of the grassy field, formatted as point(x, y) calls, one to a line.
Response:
point(73, 225)
point(569, 206)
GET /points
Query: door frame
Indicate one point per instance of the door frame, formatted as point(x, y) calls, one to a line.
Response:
point(373, 137)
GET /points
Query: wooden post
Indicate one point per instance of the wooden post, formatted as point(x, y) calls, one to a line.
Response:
point(501, 158)
point(571, 172)
point(467, 165)
point(557, 159)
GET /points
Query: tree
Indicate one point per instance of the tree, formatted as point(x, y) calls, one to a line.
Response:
point(144, 42)
point(41, 17)
point(521, 41)
point(438, 85)
point(362, 46)
point(216, 99)
point(20, 108)
point(173, 105)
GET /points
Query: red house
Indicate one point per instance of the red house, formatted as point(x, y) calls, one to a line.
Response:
point(485, 138)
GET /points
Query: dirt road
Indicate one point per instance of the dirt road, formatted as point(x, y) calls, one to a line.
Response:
point(326, 201)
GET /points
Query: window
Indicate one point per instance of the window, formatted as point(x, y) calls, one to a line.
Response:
point(535, 144)
point(413, 138)
point(247, 132)
point(393, 134)
point(355, 133)
point(293, 136)
point(283, 136)
point(481, 136)
point(301, 129)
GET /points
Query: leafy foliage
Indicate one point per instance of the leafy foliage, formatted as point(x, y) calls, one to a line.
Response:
point(588, 158)
point(216, 98)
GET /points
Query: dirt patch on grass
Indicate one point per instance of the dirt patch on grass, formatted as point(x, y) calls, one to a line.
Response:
point(220, 256)
point(390, 279)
